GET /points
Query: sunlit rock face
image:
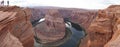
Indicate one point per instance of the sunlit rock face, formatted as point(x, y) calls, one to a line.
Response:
point(52, 29)
point(15, 27)
point(100, 30)
point(104, 30)
point(115, 41)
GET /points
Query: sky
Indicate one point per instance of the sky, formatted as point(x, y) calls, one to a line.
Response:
point(87, 4)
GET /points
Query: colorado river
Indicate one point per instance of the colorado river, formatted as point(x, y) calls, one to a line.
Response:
point(77, 33)
point(75, 37)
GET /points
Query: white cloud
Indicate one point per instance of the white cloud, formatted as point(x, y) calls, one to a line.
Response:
point(89, 4)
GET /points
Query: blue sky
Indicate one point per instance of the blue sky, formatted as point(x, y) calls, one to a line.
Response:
point(88, 4)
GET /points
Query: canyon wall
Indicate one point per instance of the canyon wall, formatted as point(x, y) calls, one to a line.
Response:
point(99, 31)
point(15, 27)
point(115, 40)
point(104, 29)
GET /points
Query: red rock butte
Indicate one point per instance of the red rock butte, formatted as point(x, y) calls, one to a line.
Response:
point(52, 29)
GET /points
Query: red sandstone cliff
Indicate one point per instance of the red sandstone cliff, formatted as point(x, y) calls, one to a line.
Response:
point(104, 29)
point(100, 30)
point(15, 27)
point(115, 41)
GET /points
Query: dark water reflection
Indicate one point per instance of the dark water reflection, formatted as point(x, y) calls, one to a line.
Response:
point(74, 40)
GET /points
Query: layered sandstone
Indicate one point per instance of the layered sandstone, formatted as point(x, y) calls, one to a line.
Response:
point(115, 41)
point(83, 17)
point(52, 29)
point(100, 30)
point(104, 30)
point(37, 14)
point(15, 27)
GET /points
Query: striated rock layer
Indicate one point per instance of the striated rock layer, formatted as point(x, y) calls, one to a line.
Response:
point(52, 29)
point(100, 30)
point(104, 29)
point(83, 17)
point(115, 41)
point(15, 27)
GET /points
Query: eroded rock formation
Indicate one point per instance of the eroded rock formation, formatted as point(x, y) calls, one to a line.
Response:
point(104, 30)
point(100, 30)
point(15, 27)
point(52, 29)
point(115, 41)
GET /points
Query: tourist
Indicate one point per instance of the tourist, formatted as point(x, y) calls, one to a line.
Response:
point(2, 2)
point(7, 2)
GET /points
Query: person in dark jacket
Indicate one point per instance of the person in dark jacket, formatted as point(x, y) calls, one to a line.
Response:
point(7, 2)
point(2, 2)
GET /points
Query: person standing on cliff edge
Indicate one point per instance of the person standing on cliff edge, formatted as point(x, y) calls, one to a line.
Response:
point(2, 2)
point(7, 2)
